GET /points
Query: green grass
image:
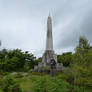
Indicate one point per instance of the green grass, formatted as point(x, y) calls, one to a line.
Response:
point(25, 84)
point(1, 90)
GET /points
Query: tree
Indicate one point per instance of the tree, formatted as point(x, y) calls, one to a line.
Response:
point(16, 60)
point(65, 58)
point(30, 61)
point(83, 45)
point(38, 60)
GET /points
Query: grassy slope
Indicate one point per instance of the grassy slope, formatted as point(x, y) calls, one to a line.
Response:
point(25, 84)
point(27, 81)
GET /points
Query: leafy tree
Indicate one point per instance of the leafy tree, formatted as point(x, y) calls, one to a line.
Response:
point(38, 60)
point(65, 58)
point(30, 61)
point(81, 65)
point(83, 45)
point(16, 60)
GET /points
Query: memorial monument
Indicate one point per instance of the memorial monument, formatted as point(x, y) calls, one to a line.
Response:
point(49, 54)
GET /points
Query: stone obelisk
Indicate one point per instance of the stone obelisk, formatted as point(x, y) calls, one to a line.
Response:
point(49, 41)
point(49, 52)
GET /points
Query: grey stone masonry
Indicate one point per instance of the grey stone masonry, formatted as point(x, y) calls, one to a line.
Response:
point(49, 52)
point(49, 40)
point(48, 55)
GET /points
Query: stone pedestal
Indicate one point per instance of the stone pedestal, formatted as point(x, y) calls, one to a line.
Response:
point(45, 64)
point(47, 56)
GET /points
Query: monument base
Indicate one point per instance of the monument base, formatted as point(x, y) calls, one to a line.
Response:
point(48, 55)
point(45, 64)
point(41, 67)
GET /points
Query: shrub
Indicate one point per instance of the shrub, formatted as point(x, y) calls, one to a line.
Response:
point(9, 84)
point(49, 84)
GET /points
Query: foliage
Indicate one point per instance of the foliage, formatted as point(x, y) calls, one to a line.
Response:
point(38, 61)
point(83, 45)
point(16, 60)
point(53, 84)
point(9, 84)
point(65, 58)
point(79, 72)
point(48, 84)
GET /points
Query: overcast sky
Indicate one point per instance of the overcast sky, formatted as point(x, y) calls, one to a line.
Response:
point(23, 24)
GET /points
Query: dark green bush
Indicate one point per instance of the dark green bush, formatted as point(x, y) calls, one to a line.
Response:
point(8, 84)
